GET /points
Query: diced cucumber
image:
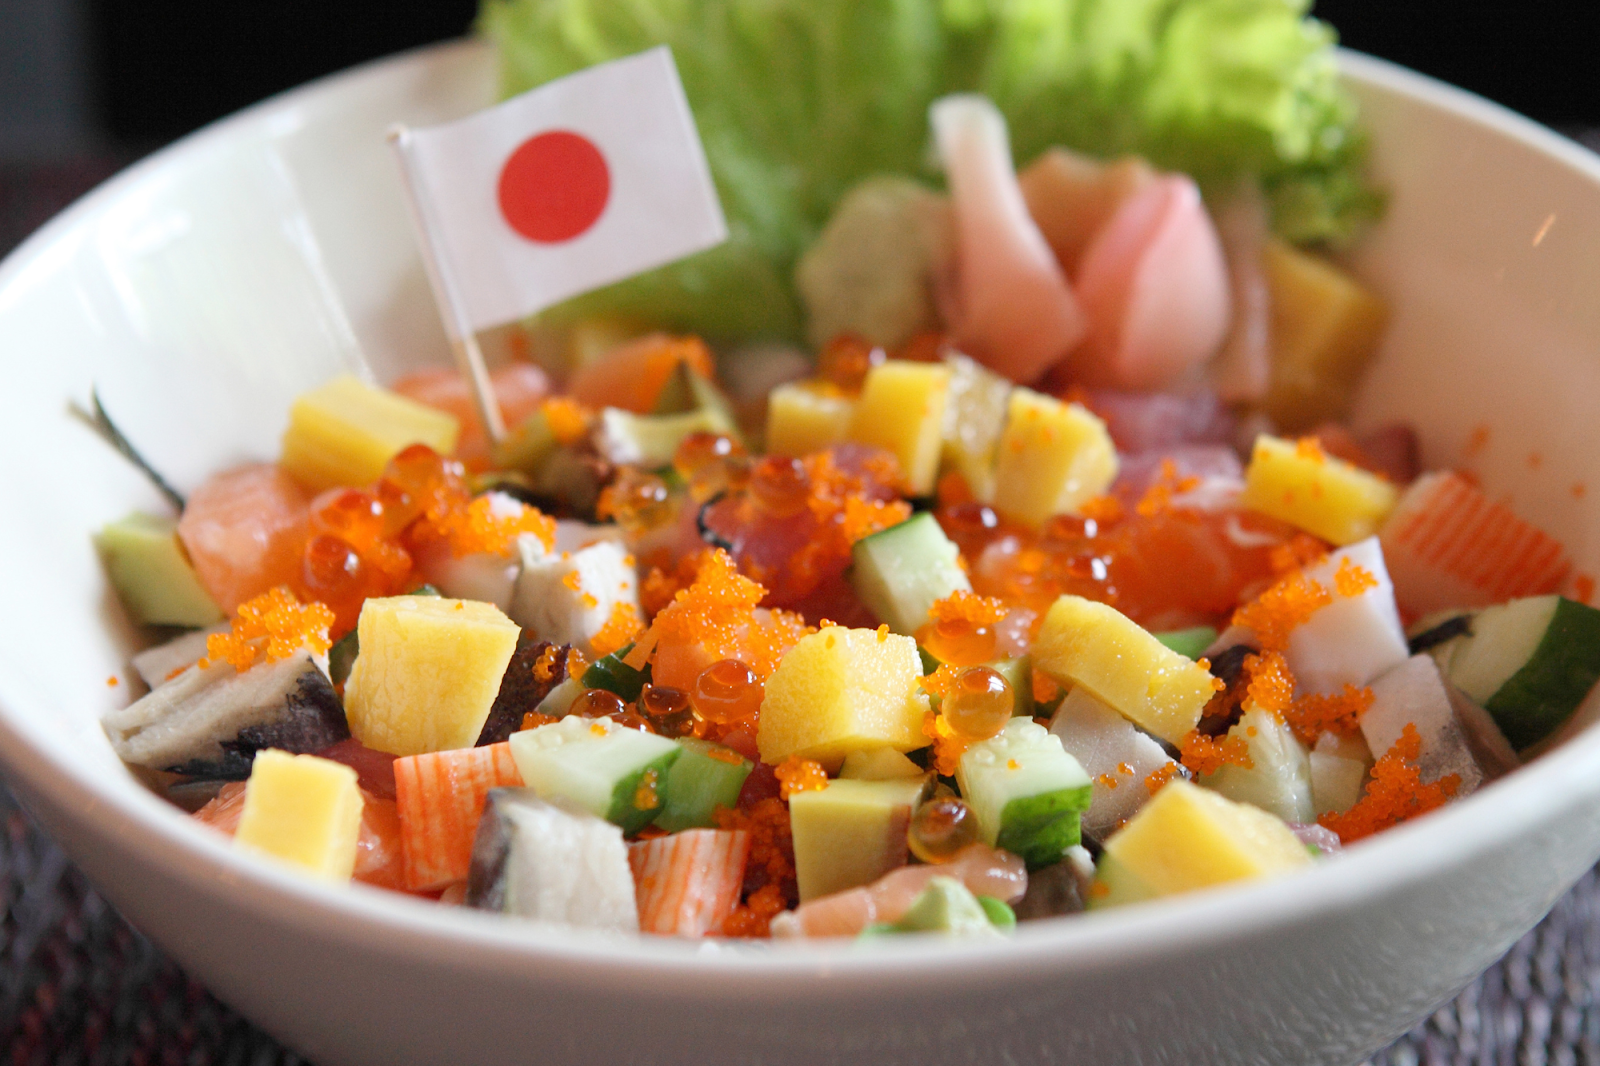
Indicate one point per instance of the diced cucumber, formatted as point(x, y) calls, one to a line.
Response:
point(1191, 642)
point(901, 571)
point(650, 440)
point(614, 675)
point(1027, 792)
point(1278, 778)
point(705, 777)
point(948, 906)
point(1338, 767)
point(560, 698)
point(1529, 663)
point(687, 391)
point(604, 768)
point(152, 576)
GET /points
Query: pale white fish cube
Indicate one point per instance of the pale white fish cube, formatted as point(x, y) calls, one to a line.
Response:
point(486, 576)
point(1353, 639)
point(1414, 693)
point(1103, 742)
point(1489, 745)
point(549, 861)
point(158, 665)
point(1278, 778)
point(1339, 766)
point(573, 535)
point(567, 597)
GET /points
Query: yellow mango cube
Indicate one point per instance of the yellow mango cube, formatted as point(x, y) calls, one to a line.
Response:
point(852, 832)
point(1327, 497)
point(346, 431)
point(1051, 457)
point(842, 690)
point(806, 416)
point(1188, 837)
point(303, 810)
point(1090, 644)
point(1325, 328)
point(427, 673)
point(901, 410)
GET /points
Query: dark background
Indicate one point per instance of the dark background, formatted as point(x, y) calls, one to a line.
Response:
point(119, 77)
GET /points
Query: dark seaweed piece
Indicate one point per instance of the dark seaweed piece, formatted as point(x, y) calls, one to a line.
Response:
point(707, 534)
point(491, 850)
point(1449, 629)
point(1227, 665)
point(113, 436)
point(312, 719)
point(194, 794)
point(1053, 890)
point(521, 690)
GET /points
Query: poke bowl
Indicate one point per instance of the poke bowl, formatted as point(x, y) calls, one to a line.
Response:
point(204, 289)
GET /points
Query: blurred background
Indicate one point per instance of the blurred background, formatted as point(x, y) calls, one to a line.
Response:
point(90, 83)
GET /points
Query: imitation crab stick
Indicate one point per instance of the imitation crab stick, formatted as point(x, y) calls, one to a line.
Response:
point(1448, 545)
point(688, 883)
point(440, 797)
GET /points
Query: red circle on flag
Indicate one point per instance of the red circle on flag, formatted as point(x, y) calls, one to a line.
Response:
point(554, 186)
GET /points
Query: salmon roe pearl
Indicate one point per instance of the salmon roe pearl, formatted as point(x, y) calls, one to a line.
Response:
point(351, 514)
point(597, 703)
point(941, 828)
point(728, 691)
point(846, 360)
point(668, 711)
point(779, 486)
point(711, 463)
point(958, 641)
point(981, 704)
point(638, 500)
point(415, 478)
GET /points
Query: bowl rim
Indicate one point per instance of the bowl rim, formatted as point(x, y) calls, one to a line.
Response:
point(1385, 864)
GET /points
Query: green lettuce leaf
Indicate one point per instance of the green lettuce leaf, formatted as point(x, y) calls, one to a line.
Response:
point(797, 100)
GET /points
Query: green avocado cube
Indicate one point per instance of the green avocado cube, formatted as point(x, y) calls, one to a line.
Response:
point(852, 832)
point(152, 576)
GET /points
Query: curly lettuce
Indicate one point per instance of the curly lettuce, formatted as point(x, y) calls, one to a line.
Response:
point(797, 100)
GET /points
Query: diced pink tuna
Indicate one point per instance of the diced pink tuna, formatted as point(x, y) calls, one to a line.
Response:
point(1009, 306)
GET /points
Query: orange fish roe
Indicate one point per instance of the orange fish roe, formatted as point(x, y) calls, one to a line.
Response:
point(771, 860)
point(1101, 509)
point(1158, 497)
point(1340, 714)
point(1045, 688)
point(960, 628)
point(1271, 685)
point(1395, 793)
point(646, 797)
point(112, 681)
point(1159, 777)
point(1352, 579)
point(953, 489)
point(544, 667)
point(479, 528)
point(942, 681)
point(717, 615)
point(567, 418)
point(1108, 781)
point(1205, 755)
point(274, 625)
point(576, 663)
point(800, 775)
point(1276, 613)
point(844, 514)
point(1310, 448)
point(620, 629)
point(1300, 551)
point(533, 720)
point(948, 745)
point(660, 586)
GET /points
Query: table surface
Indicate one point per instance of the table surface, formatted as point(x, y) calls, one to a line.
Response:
point(78, 984)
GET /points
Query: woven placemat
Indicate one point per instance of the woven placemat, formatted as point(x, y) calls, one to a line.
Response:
point(80, 985)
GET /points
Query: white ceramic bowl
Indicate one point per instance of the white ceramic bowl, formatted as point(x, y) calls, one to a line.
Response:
point(206, 286)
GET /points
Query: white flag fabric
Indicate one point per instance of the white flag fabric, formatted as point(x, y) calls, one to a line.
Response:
point(568, 187)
